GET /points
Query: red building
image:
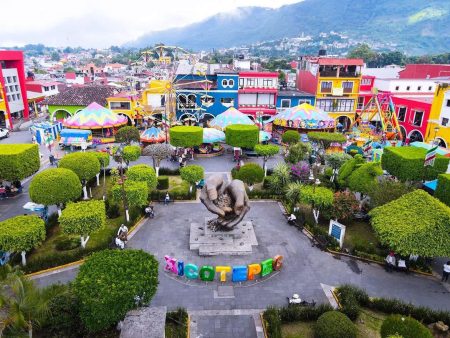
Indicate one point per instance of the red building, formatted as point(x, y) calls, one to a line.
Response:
point(413, 114)
point(257, 93)
point(365, 91)
point(424, 71)
point(12, 78)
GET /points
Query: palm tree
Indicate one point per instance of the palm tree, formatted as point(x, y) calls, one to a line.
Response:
point(23, 305)
point(293, 192)
point(281, 177)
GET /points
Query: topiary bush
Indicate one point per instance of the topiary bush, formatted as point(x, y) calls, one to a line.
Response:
point(325, 138)
point(143, 173)
point(289, 314)
point(192, 173)
point(290, 137)
point(136, 193)
point(443, 188)
point(242, 135)
point(85, 164)
point(127, 135)
point(131, 153)
point(18, 161)
point(103, 158)
point(111, 283)
point(406, 327)
point(163, 183)
point(250, 173)
point(334, 324)
point(186, 136)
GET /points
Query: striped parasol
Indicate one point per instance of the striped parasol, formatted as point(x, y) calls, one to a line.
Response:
point(95, 116)
point(303, 116)
point(153, 135)
point(212, 135)
point(228, 117)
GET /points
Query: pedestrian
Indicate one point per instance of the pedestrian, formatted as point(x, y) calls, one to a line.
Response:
point(122, 233)
point(390, 262)
point(446, 272)
point(167, 199)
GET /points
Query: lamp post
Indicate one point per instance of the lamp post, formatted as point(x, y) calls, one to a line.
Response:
point(118, 157)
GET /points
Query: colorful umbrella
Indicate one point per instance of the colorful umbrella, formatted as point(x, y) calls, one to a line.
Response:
point(264, 136)
point(95, 116)
point(212, 135)
point(153, 135)
point(230, 116)
point(303, 116)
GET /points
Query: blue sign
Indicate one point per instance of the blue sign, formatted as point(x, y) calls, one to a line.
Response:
point(336, 231)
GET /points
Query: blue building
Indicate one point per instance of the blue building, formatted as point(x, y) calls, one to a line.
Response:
point(204, 91)
point(291, 97)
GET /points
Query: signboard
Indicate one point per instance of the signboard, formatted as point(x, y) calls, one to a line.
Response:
point(337, 91)
point(337, 231)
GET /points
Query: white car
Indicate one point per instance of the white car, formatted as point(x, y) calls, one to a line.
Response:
point(4, 133)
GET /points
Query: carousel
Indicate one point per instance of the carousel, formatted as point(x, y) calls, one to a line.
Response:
point(228, 117)
point(153, 135)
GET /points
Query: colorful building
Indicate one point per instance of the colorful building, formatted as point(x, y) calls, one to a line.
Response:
point(438, 129)
point(47, 88)
point(155, 98)
point(126, 104)
point(424, 71)
point(291, 97)
point(3, 112)
point(12, 79)
point(335, 84)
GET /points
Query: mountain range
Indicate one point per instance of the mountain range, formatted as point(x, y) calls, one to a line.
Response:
point(413, 26)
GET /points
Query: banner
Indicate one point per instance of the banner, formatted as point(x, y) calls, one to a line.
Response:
point(430, 157)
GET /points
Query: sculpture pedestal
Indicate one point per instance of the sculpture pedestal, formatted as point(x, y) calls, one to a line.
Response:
point(238, 241)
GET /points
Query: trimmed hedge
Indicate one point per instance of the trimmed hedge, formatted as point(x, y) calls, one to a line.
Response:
point(334, 324)
point(18, 161)
point(406, 327)
point(294, 313)
point(85, 164)
point(290, 137)
point(273, 322)
point(54, 186)
point(326, 138)
point(364, 178)
point(83, 218)
point(250, 173)
point(143, 173)
point(443, 188)
point(136, 193)
point(186, 136)
point(131, 153)
point(109, 283)
point(169, 171)
point(163, 183)
point(242, 135)
point(407, 164)
point(21, 233)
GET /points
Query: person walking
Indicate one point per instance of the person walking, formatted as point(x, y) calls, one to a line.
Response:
point(166, 199)
point(446, 271)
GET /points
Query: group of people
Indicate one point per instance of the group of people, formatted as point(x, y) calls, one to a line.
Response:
point(394, 263)
point(181, 156)
point(8, 190)
point(122, 237)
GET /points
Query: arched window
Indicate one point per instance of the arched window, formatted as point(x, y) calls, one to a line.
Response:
point(191, 104)
point(230, 83)
point(224, 83)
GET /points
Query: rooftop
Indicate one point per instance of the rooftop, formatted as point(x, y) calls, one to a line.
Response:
point(81, 96)
point(293, 92)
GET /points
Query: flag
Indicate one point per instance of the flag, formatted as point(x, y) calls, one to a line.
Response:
point(367, 147)
point(430, 156)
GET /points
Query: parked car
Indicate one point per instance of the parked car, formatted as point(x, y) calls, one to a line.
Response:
point(4, 133)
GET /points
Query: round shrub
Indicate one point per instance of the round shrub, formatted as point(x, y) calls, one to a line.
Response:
point(334, 324)
point(406, 327)
point(131, 153)
point(242, 135)
point(163, 183)
point(21, 233)
point(186, 136)
point(136, 193)
point(192, 173)
point(86, 165)
point(250, 173)
point(54, 186)
point(290, 137)
point(111, 283)
point(128, 134)
point(103, 158)
point(143, 173)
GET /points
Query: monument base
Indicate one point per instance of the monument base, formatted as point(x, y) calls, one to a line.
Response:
point(238, 241)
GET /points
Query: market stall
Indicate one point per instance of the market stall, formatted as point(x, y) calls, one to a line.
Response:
point(41, 131)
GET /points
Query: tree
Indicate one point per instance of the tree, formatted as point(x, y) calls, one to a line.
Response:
point(318, 197)
point(334, 324)
point(251, 173)
point(104, 159)
point(281, 177)
point(143, 173)
point(24, 305)
point(336, 160)
point(192, 174)
point(111, 283)
point(55, 186)
point(127, 135)
point(158, 152)
point(83, 218)
point(84, 164)
point(348, 167)
point(186, 136)
point(325, 139)
point(290, 137)
point(301, 171)
point(298, 151)
point(363, 51)
point(344, 205)
point(364, 178)
point(55, 56)
point(242, 136)
point(443, 188)
point(21, 234)
point(415, 223)
point(293, 192)
point(18, 161)
point(266, 150)
point(388, 190)
point(131, 153)
point(136, 193)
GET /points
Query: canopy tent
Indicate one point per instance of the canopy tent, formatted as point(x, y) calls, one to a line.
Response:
point(303, 116)
point(153, 135)
point(40, 129)
point(212, 135)
point(75, 137)
point(264, 136)
point(426, 146)
point(95, 116)
point(228, 117)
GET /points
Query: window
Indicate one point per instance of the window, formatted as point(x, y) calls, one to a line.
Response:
point(46, 89)
point(9, 79)
point(227, 101)
point(250, 82)
point(207, 100)
point(419, 88)
point(8, 98)
point(18, 96)
point(16, 87)
point(325, 86)
point(366, 82)
point(347, 86)
point(418, 116)
point(230, 83)
point(14, 78)
point(430, 88)
point(118, 105)
point(304, 101)
point(408, 87)
point(267, 83)
point(241, 83)
point(397, 88)
point(225, 83)
point(285, 103)
point(7, 89)
point(444, 122)
point(448, 103)
point(52, 87)
point(401, 113)
point(360, 103)
point(13, 97)
point(336, 105)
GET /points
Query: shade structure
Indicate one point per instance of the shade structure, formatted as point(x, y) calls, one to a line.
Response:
point(212, 135)
point(95, 116)
point(228, 117)
point(153, 135)
point(264, 136)
point(303, 116)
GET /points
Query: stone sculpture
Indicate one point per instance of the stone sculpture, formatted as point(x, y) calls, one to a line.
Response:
point(229, 201)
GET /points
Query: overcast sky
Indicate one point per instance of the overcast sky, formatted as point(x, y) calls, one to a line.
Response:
point(102, 23)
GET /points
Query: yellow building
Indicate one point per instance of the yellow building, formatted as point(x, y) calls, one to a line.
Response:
point(125, 104)
point(158, 98)
point(335, 83)
point(438, 128)
point(4, 119)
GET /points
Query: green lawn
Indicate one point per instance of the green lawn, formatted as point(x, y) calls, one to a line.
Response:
point(368, 325)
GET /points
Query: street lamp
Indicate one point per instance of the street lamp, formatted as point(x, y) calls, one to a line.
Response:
point(118, 157)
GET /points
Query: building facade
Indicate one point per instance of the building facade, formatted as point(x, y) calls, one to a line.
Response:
point(290, 98)
point(47, 88)
point(438, 128)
